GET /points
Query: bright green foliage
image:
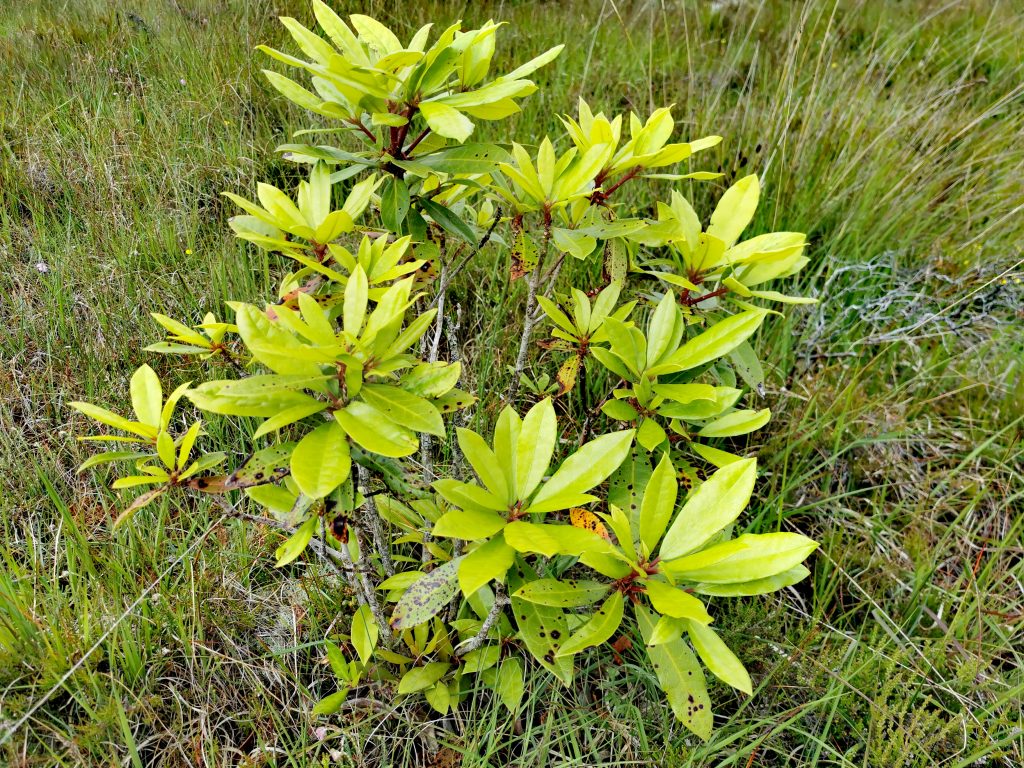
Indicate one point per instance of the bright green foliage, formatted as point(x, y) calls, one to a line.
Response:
point(165, 461)
point(580, 326)
point(583, 532)
point(660, 371)
point(658, 560)
point(308, 223)
point(205, 339)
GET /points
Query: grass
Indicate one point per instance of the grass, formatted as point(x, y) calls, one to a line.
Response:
point(890, 132)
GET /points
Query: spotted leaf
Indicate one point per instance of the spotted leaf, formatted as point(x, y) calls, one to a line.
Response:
point(680, 677)
point(265, 466)
point(424, 599)
point(588, 521)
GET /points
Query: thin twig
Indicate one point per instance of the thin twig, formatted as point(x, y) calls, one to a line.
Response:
point(600, 196)
point(228, 355)
point(427, 440)
point(551, 277)
point(446, 281)
point(530, 317)
point(475, 642)
point(372, 521)
point(358, 124)
point(416, 142)
point(368, 590)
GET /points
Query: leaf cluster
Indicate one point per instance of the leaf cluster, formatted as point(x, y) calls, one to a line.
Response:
point(560, 538)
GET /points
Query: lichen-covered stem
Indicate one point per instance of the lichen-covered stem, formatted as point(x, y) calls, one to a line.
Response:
point(372, 522)
point(530, 317)
point(368, 592)
point(475, 642)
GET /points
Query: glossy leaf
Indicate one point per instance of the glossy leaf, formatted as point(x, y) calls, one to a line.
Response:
point(658, 504)
point(296, 544)
point(562, 594)
point(586, 468)
point(364, 633)
point(757, 587)
point(490, 561)
point(736, 423)
point(718, 340)
point(404, 408)
point(329, 705)
point(321, 461)
point(735, 210)
point(672, 601)
point(747, 558)
point(534, 447)
point(418, 678)
point(147, 396)
point(718, 658)
point(446, 121)
point(374, 431)
point(714, 505)
point(469, 524)
point(549, 539)
point(543, 630)
point(468, 495)
point(510, 683)
point(484, 463)
point(599, 628)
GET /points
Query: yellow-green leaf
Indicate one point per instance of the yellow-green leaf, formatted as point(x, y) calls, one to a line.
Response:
point(586, 468)
point(321, 461)
point(296, 544)
point(534, 447)
point(737, 423)
point(418, 678)
point(374, 431)
point(404, 408)
point(446, 121)
point(658, 504)
point(600, 627)
point(490, 561)
point(562, 594)
point(680, 677)
point(364, 633)
point(747, 558)
point(735, 210)
point(714, 505)
point(717, 657)
point(147, 396)
point(425, 598)
point(671, 601)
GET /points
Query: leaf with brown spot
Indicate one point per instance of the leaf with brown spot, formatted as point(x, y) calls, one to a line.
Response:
point(542, 629)
point(265, 466)
point(616, 260)
point(680, 677)
point(454, 400)
point(427, 596)
point(524, 251)
point(567, 374)
point(588, 521)
point(209, 484)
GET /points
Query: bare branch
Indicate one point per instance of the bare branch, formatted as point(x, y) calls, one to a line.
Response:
point(475, 642)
